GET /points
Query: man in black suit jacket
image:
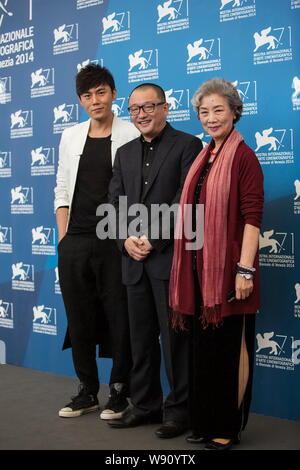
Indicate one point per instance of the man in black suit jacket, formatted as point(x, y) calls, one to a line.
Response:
point(151, 170)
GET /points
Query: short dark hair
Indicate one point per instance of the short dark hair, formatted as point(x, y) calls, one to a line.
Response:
point(93, 75)
point(159, 91)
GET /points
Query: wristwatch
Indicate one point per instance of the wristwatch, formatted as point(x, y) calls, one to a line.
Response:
point(247, 276)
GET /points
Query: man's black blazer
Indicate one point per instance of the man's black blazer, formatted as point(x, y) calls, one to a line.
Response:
point(174, 155)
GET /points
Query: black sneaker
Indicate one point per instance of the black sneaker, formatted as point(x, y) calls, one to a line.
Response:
point(81, 404)
point(116, 404)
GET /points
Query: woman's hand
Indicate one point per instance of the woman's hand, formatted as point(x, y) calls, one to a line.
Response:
point(243, 287)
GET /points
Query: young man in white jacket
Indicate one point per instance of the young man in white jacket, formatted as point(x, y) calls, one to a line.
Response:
point(90, 268)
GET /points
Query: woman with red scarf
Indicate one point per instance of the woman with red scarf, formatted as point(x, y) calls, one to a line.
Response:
point(214, 290)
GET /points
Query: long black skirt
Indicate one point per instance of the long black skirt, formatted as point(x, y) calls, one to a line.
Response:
point(214, 376)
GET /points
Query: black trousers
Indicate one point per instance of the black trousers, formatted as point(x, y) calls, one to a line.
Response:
point(149, 326)
point(93, 294)
point(214, 374)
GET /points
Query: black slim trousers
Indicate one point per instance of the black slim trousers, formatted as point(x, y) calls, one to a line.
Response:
point(150, 331)
point(93, 294)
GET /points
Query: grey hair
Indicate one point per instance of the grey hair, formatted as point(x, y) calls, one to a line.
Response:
point(220, 87)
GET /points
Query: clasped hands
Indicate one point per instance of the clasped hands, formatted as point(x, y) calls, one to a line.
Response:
point(138, 248)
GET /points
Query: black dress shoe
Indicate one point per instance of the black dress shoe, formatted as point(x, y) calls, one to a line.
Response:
point(170, 429)
point(131, 420)
point(213, 445)
point(194, 439)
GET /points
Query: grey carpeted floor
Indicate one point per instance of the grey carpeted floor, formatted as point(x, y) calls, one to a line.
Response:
point(29, 402)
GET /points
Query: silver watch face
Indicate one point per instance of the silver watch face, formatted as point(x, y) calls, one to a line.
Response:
point(247, 276)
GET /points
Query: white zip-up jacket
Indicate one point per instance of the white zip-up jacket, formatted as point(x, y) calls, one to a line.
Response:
point(70, 150)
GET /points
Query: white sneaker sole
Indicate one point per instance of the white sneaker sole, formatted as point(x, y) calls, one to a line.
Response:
point(109, 414)
point(68, 413)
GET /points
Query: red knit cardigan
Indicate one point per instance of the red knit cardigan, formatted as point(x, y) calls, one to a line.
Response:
point(245, 206)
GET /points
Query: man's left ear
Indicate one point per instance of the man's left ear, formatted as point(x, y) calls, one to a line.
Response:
point(114, 94)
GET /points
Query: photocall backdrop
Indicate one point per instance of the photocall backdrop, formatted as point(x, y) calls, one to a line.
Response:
point(178, 44)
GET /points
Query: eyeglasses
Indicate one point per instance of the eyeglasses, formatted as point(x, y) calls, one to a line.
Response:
point(147, 108)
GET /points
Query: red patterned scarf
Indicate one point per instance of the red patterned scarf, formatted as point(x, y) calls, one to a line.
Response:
point(181, 294)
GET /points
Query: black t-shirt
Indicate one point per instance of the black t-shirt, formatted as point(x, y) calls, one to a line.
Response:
point(93, 178)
